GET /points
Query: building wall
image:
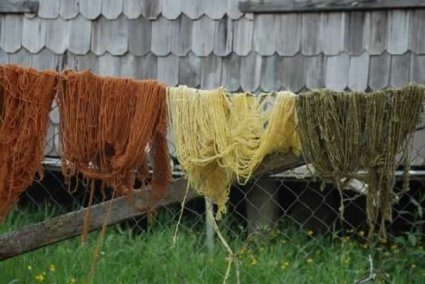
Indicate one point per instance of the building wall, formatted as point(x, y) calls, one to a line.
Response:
point(207, 44)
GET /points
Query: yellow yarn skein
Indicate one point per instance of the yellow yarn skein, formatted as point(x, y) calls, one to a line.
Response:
point(280, 134)
point(221, 137)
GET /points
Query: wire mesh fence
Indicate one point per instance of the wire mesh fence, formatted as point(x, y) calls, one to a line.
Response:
point(281, 227)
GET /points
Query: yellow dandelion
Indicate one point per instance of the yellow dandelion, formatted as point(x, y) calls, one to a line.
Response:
point(310, 233)
point(29, 267)
point(284, 265)
point(52, 268)
point(39, 277)
point(309, 260)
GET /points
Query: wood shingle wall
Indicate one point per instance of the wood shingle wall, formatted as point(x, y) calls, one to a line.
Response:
point(207, 44)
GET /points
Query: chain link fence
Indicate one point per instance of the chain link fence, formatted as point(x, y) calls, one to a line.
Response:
point(282, 227)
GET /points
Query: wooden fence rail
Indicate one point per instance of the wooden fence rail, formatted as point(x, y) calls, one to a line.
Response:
point(69, 225)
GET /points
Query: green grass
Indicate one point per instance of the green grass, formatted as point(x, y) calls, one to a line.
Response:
point(288, 255)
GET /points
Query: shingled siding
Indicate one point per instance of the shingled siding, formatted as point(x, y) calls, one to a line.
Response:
point(207, 44)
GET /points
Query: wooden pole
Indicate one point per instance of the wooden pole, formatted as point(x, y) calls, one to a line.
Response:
point(209, 226)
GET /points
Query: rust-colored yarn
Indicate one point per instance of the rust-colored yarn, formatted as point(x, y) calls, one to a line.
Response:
point(107, 126)
point(25, 100)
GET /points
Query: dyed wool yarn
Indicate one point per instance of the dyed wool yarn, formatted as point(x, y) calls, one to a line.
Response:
point(25, 101)
point(280, 134)
point(342, 133)
point(107, 126)
point(390, 122)
point(199, 125)
point(220, 138)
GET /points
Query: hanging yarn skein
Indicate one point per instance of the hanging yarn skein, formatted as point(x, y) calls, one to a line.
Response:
point(199, 123)
point(342, 133)
point(331, 131)
point(390, 123)
point(107, 126)
point(25, 101)
point(220, 138)
point(280, 134)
